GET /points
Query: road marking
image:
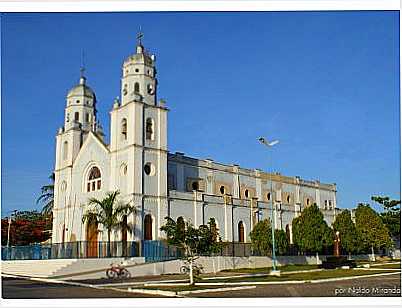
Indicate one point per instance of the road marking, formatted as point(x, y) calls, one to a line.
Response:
point(216, 290)
point(125, 284)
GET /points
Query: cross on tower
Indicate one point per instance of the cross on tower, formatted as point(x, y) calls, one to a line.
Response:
point(82, 68)
point(140, 35)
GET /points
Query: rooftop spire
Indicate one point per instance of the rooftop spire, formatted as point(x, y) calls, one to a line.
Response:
point(82, 68)
point(140, 35)
point(140, 48)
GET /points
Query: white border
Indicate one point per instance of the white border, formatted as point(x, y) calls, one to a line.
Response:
point(211, 5)
point(195, 5)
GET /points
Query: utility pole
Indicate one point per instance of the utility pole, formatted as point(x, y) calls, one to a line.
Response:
point(273, 213)
point(9, 226)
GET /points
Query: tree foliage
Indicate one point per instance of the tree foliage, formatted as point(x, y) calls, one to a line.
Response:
point(27, 227)
point(108, 212)
point(47, 196)
point(371, 231)
point(261, 238)
point(311, 233)
point(281, 242)
point(203, 240)
point(391, 215)
point(347, 232)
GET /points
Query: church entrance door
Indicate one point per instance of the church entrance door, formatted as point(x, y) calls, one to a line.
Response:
point(148, 227)
point(92, 239)
point(241, 232)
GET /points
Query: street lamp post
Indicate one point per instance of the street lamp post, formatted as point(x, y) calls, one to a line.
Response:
point(273, 219)
point(8, 232)
point(9, 225)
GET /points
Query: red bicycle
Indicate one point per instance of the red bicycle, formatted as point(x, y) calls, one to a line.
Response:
point(117, 271)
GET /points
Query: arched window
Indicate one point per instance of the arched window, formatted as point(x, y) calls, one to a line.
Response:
point(214, 228)
point(137, 87)
point(240, 229)
point(246, 193)
point(288, 234)
point(195, 185)
point(87, 117)
point(269, 196)
point(150, 89)
point(76, 116)
point(148, 227)
point(124, 230)
point(94, 181)
point(288, 199)
point(149, 129)
point(124, 129)
point(222, 190)
point(181, 225)
point(65, 150)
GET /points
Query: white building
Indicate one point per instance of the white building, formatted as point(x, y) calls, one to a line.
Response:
point(156, 182)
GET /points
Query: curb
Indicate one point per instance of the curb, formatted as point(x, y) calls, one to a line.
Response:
point(122, 284)
point(216, 290)
point(294, 281)
point(163, 284)
point(154, 292)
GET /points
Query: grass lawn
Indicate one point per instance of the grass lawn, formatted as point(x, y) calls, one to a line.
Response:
point(336, 273)
point(305, 276)
point(386, 265)
point(264, 270)
point(180, 288)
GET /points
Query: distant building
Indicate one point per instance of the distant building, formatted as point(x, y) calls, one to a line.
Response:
point(156, 182)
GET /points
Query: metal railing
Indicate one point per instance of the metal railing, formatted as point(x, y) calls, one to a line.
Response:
point(72, 250)
point(152, 251)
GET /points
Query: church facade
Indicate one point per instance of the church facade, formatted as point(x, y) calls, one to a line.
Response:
point(158, 183)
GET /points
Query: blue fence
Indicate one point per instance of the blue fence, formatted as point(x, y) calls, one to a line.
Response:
point(155, 251)
point(152, 250)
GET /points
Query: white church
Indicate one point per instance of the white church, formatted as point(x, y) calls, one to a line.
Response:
point(158, 183)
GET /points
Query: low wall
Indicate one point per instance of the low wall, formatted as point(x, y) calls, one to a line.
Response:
point(95, 268)
point(65, 268)
point(209, 264)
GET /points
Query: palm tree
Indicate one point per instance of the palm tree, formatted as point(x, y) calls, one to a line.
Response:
point(47, 197)
point(107, 213)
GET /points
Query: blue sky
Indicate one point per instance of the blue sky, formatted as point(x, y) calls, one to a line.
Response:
point(325, 83)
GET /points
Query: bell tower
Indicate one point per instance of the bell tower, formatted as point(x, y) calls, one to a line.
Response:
point(138, 143)
point(138, 76)
point(79, 121)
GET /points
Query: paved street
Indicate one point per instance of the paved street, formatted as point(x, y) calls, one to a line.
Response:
point(317, 289)
point(23, 288)
point(370, 286)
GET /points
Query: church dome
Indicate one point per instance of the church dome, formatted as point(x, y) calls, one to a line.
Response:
point(82, 90)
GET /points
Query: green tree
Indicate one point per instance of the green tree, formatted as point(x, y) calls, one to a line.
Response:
point(281, 242)
point(261, 238)
point(311, 233)
point(194, 242)
point(347, 231)
point(108, 212)
point(27, 227)
point(371, 231)
point(47, 196)
point(391, 215)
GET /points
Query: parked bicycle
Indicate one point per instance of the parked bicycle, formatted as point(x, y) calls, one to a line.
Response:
point(117, 271)
point(197, 269)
